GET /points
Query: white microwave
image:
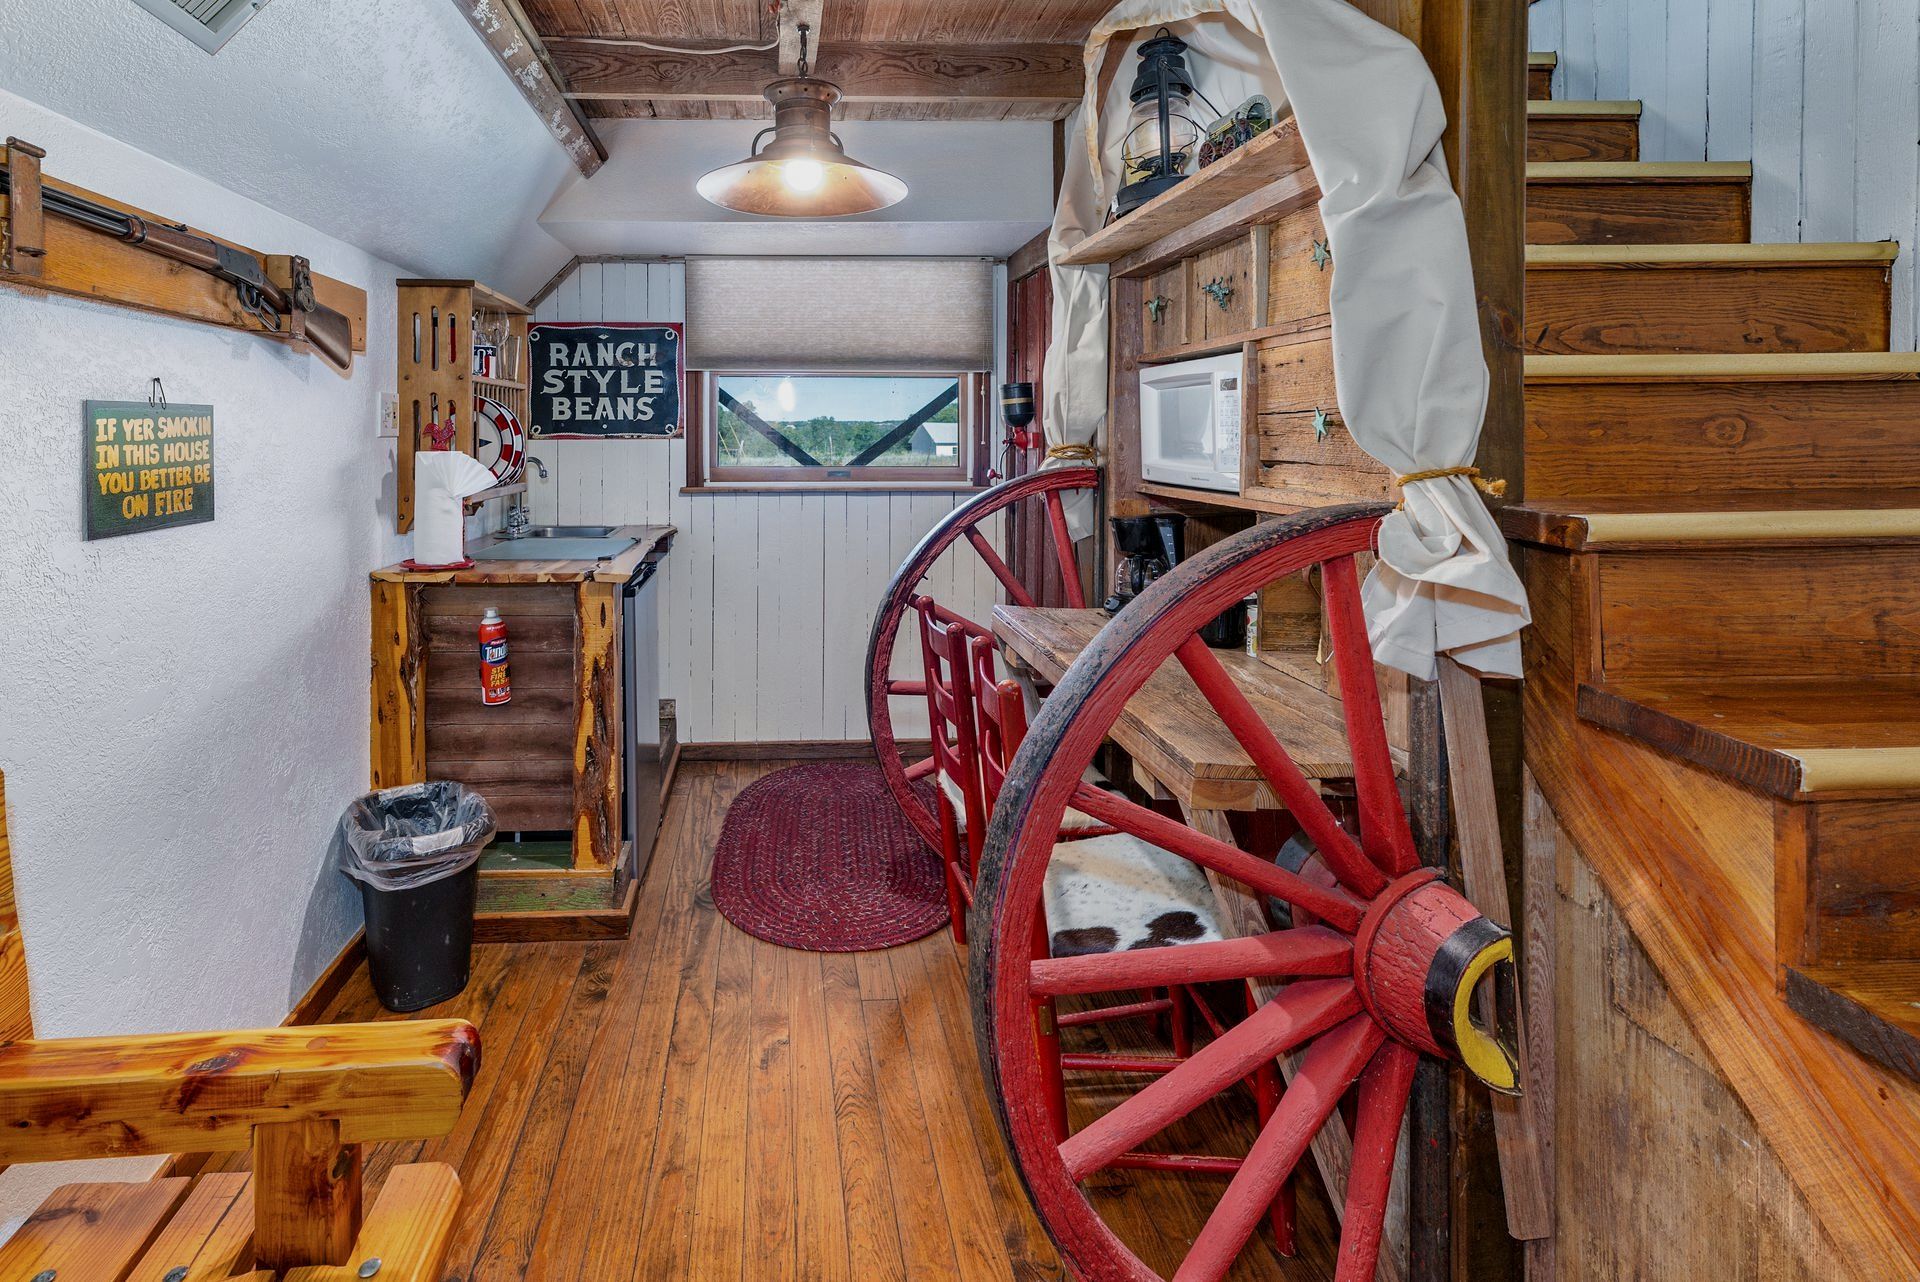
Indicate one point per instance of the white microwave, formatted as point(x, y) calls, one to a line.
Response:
point(1190, 416)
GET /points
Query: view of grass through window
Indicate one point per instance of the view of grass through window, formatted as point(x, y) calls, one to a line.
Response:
point(837, 421)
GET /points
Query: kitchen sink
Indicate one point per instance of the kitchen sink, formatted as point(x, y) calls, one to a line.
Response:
point(566, 532)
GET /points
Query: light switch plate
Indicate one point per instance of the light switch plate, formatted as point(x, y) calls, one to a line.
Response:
point(390, 414)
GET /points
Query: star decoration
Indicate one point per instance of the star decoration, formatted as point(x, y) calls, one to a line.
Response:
point(1322, 424)
point(1322, 254)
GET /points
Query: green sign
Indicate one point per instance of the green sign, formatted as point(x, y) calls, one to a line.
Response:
point(146, 467)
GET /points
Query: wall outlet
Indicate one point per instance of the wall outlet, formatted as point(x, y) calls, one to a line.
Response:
point(390, 414)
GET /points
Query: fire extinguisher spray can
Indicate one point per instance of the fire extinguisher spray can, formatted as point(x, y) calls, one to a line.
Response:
point(493, 659)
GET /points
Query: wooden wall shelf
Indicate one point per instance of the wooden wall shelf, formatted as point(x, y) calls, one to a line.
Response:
point(1274, 156)
point(1217, 499)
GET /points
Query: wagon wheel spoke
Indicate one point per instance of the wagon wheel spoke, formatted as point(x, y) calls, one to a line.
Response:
point(1295, 791)
point(1303, 1010)
point(1016, 591)
point(1384, 1090)
point(1308, 950)
point(1326, 1071)
point(1384, 833)
point(921, 769)
point(1063, 551)
point(903, 689)
point(1329, 904)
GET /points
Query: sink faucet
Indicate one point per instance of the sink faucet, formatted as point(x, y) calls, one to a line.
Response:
point(518, 520)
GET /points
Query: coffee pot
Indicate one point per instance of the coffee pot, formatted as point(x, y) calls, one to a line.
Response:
point(1148, 547)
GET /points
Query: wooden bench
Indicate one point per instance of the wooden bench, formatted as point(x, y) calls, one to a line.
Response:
point(303, 1100)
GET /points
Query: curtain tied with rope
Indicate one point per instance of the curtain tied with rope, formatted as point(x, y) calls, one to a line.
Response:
point(1408, 370)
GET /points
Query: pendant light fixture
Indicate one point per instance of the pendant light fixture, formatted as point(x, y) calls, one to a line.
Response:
point(804, 172)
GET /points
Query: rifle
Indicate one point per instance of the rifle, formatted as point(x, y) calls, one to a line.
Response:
point(273, 306)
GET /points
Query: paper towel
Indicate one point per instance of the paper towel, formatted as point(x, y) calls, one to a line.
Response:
point(441, 480)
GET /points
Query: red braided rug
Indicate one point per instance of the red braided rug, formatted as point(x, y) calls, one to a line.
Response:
point(819, 857)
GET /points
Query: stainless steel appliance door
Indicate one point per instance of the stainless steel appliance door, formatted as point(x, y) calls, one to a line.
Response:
point(641, 677)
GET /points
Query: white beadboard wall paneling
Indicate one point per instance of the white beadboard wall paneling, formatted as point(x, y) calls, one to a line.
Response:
point(767, 599)
point(1821, 96)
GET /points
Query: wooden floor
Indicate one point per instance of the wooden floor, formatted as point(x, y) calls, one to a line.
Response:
point(691, 1103)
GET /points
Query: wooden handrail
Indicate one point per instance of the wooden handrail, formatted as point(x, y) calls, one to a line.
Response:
point(206, 1092)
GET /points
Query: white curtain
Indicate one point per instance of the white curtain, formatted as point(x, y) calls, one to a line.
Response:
point(1410, 377)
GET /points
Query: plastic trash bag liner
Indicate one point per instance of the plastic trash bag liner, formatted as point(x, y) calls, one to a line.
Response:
point(400, 838)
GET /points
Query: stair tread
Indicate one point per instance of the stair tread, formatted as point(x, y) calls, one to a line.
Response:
point(1639, 171)
point(1752, 516)
point(1789, 736)
point(1744, 254)
point(1727, 367)
point(1873, 1006)
point(1608, 107)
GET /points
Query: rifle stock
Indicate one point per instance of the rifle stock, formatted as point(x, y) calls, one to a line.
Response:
point(331, 335)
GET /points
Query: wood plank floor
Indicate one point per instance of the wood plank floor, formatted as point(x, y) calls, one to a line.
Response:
point(691, 1103)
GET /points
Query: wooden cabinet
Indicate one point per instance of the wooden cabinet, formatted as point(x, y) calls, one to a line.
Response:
point(1164, 325)
point(1223, 290)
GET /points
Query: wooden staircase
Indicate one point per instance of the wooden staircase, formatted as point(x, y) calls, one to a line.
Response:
point(1722, 509)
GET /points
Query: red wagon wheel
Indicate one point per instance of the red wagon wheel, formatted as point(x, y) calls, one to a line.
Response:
point(1382, 964)
point(963, 522)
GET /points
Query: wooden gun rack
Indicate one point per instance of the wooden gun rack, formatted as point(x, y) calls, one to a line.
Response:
point(51, 254)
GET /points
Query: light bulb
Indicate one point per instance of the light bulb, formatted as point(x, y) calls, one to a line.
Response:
point(804, 175)
point(784, 393)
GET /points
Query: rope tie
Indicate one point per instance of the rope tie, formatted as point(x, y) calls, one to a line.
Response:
point(1493, 489)
point(1073, 452)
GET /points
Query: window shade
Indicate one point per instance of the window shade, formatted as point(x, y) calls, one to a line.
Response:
point(804, 314)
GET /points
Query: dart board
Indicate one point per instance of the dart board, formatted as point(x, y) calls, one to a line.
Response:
point(499, 440)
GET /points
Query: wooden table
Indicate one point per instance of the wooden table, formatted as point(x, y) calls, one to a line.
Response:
point(1173, 734)
point(1182, 749)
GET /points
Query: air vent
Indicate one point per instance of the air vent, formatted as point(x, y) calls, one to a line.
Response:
point(208, 23)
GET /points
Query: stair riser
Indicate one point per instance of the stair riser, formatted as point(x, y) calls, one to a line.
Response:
point(1540, 83)
point(1713, 614)
point(1583, 138)
point(1602, 311)
point(1628, 438)
point(1575, 212)
point(1848, 885)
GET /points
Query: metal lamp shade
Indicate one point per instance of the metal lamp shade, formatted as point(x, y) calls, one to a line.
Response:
point(803, 172)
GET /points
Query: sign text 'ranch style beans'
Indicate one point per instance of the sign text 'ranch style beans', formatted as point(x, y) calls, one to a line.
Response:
point(598, 380)
point(145, 467)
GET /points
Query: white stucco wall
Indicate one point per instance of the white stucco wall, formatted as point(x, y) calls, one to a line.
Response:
point(183, 713)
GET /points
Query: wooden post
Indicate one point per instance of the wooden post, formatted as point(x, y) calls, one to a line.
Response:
point(597, 749)
point(306, 1195)
point(1477, 50)
point(399, 728)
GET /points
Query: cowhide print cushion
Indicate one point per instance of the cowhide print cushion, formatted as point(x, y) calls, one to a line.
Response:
point(1114, 893)
point(1072, 821)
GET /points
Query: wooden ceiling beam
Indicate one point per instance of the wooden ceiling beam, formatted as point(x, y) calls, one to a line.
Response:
point(505, 29)
point(892, 73)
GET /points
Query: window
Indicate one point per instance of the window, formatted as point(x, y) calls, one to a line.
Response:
point(842, 429)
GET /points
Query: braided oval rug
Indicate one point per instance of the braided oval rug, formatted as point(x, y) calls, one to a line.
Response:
point(819, 857)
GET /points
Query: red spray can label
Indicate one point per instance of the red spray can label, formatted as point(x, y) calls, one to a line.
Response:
point(494, 687)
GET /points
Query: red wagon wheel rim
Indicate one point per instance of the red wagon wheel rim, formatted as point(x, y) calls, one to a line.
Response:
point(963, 522)
point(1373, 945)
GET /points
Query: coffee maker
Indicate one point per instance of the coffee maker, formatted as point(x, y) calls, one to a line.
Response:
point(1148, 547)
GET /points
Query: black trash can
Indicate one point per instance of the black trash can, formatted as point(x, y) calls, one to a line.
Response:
point(415, 851)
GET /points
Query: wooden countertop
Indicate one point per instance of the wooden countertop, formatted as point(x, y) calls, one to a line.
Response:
point(534, 570)
point(1173, 733)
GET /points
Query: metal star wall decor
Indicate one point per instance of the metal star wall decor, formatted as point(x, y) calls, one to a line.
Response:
point(1322, 254)
point(1322, 424)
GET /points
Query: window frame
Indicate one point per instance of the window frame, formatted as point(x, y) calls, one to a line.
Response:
point(704, 472)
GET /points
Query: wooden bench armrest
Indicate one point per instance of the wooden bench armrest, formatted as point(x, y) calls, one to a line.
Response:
point(205, 1092)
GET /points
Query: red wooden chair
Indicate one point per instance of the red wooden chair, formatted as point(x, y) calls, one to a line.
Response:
point(959, 811)
point(1000, 726)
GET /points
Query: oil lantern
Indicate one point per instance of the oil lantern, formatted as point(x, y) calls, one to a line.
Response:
point(1161, 137)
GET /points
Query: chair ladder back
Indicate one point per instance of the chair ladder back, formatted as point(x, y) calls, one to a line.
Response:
point(944, 638)
point(1001, 718)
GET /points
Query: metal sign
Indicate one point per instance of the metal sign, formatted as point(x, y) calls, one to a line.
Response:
point(145, 467)
point(604, 380)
